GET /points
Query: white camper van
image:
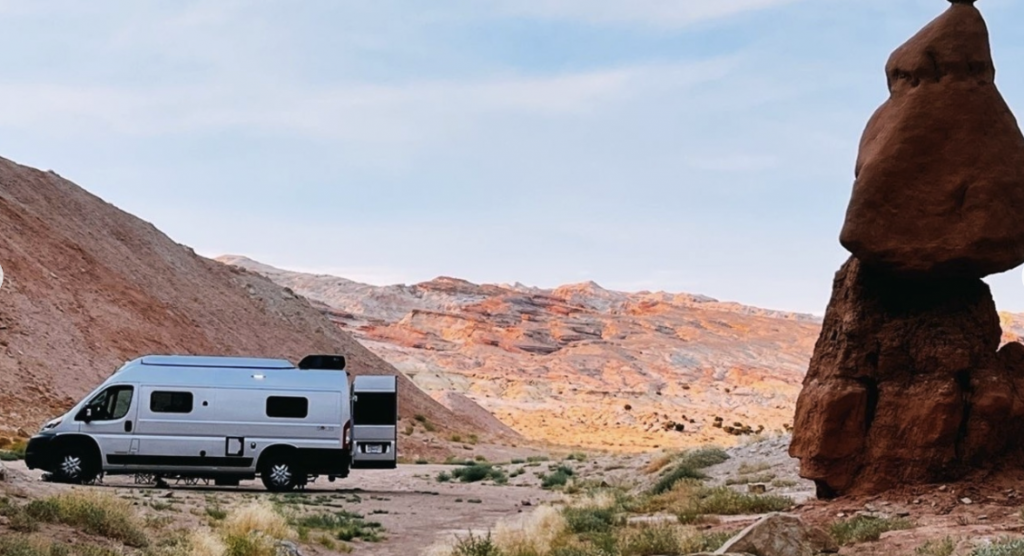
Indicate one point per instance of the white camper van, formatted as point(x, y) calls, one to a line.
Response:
point(226, 419)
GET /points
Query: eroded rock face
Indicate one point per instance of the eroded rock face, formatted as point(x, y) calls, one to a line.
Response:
point(940, 175)
point(906, 385)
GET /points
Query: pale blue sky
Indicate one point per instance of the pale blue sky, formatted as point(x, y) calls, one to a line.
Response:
point(701, 146)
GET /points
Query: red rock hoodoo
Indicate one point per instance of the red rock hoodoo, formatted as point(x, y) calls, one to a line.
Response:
point(940, 175)
point(907, 384)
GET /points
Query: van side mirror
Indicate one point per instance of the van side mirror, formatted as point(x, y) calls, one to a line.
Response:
point(85, 415)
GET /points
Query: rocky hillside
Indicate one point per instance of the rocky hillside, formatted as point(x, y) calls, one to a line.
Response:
point(580, 364)
point(89, 286)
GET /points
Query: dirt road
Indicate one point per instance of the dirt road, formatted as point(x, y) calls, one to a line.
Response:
point(414, 509)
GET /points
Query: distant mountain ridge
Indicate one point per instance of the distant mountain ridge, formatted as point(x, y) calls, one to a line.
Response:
point(579, 362)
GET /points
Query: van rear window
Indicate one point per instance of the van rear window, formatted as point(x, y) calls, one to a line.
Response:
point(287, 407)
point(170, 402)
point(375, 408)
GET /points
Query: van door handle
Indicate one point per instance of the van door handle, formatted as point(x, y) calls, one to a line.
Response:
point(127, 426)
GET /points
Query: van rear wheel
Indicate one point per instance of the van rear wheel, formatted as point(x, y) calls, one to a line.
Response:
point(280, 474)
point(75, 464)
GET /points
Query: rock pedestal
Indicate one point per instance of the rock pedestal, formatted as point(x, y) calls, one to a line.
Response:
point(906, 385)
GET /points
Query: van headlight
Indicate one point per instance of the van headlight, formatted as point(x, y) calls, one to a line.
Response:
point(52, 424)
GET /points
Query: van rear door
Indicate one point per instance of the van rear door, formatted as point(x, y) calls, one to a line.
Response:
point(375, 422)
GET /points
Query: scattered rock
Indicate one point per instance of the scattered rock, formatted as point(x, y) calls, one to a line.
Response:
point(780, 535)
point(966, 501)
point(757, 488)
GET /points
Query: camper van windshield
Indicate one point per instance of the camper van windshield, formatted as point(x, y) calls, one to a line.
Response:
point(112, 403)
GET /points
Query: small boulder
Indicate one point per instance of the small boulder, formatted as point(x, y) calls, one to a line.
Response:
point(3, 472)
point(780, 535)
point(287, 548)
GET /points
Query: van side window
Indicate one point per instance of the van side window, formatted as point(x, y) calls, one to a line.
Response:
point(170, 402)
point(111, 404)
point(287, 407)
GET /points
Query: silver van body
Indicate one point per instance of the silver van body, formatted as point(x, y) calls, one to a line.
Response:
point(226, 419)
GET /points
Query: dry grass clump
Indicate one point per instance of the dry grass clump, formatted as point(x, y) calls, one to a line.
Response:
point(256, 517)
point(660, 462)
point(532, 533)
point(204, 542)
point(35, 545)
point(93, 513)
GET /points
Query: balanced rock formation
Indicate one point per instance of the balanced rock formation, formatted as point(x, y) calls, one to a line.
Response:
point(907, 384)
point(940, 176)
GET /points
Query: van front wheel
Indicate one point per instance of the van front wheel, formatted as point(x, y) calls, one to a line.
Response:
point(75, 465)
point(279, 474)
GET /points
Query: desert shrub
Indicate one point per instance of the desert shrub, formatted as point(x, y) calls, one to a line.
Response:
point(747, 479)
point(96, 514)
point(345, 526)
point(703, 458)
point(688, 466)
point(726, 501)
point(1003, 547)
point(865, 529)
point(747, 468)
point(256, 517)
point(444, 477)
point(673, 476)
point(473, 545)
point(422, 461)
point(577, 456)
point(478, 472)
point(216, 513)
point(559, 477)
point(589, 519)
point(535, 532)
point(32, 545)
point(518, 461)
point(659, 463)
point(942, 547)
point(649, 540)
point(14, 451)
point(784, 483)
point(537, 459)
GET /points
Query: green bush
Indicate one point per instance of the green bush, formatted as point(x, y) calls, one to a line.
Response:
point(1003, 547)
point(475, 546)
point(479, 472)
point(444, 477)
point(589, 520)
point(726, 501)
point(688, 466)
point(703, 458)
point(865, 529)
point(559, 477)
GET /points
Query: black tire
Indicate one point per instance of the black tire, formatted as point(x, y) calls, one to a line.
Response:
point(76, 464)
point(279, 473)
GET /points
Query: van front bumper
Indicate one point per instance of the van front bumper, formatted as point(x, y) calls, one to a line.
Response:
point(39, 452)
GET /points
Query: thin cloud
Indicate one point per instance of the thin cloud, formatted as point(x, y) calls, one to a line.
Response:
point(417, 111)
point(669, 14)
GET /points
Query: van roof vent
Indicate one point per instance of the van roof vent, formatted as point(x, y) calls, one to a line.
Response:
point(323, 362)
